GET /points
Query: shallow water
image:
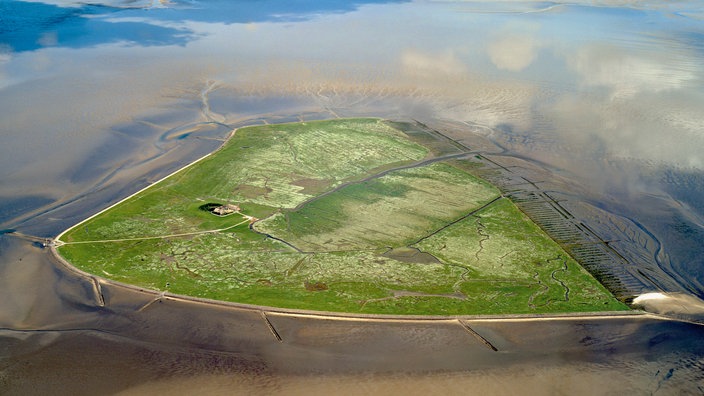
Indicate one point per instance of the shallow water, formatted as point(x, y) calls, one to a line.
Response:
point(597, 103)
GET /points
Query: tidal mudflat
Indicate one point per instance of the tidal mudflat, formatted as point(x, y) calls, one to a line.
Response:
point(589, 111)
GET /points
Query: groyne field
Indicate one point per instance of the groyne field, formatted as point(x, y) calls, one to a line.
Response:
point(348, 215)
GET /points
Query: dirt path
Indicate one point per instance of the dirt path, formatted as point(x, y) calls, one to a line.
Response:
point(246, 220)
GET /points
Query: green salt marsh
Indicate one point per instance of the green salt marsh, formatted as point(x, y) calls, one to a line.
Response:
point(347, 215)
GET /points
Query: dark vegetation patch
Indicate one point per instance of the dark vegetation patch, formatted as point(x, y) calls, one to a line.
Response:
point(249, 191)
point(209, 206)
point(411, 255)
point(315, 286)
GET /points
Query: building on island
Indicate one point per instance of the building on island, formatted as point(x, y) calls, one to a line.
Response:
point(226, 209)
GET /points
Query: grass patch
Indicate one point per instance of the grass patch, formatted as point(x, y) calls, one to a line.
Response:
point(348, 224)
point(393, 210)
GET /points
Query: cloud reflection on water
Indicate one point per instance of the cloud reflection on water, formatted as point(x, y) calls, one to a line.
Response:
point(575, 87)
point(514, 48)
point(31, 26)
point(626, 74)
point(99, 100)
point(28, 25)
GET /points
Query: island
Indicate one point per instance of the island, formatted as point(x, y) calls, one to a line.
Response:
point(346, 215)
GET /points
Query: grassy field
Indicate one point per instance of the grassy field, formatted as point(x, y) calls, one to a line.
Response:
point(344, 215)
point(393, 210)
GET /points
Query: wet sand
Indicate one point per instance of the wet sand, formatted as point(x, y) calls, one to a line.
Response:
point(606, 121)
point(61, 339)
point(66, 331)
point(72, 333)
